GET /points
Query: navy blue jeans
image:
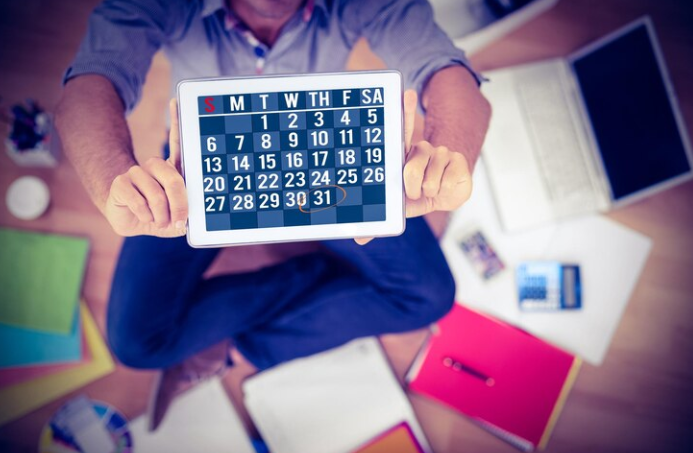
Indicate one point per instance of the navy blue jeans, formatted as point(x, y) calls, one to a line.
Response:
point(162, 310)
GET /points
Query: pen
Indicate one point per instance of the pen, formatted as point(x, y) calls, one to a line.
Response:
point(455, 365)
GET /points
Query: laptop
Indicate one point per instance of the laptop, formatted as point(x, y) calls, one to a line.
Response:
point(591, 132)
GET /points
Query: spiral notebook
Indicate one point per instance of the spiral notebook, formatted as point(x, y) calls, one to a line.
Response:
point(511, 383)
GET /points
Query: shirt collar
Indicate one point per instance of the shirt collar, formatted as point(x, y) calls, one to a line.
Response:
point(210, 7)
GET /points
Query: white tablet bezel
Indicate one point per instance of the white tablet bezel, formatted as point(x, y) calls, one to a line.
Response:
point(188, 93)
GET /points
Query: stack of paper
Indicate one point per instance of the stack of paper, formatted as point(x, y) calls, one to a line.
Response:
point(333, 402)
point(49, 346)
point(19, 399)
point(33, 347)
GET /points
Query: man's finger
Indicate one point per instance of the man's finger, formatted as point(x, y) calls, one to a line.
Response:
point(415, 169)
point(153, 193)
point(174, 135)
point(172, 183)
point(456, 174)
point(125, 195)
point(434, 171)
point(422, 206)
point(410, 103)
point(363, 241)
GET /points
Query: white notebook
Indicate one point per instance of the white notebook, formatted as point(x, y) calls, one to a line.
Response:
point(332, 402)
point(611, 258)
point(202, 420)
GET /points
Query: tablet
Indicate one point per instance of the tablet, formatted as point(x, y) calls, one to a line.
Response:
point(292, 158)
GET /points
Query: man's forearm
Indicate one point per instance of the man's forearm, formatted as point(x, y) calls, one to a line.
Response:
point(457, 114)
point(94, 134)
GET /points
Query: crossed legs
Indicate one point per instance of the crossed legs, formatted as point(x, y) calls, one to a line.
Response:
point(162, 311)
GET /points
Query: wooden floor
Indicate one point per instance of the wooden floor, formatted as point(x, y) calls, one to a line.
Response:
point(638, 401)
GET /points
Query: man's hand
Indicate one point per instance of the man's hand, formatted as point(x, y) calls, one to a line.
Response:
point(150, 199)
point(435, 178)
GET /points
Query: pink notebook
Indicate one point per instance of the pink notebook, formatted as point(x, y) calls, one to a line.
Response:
point(510, 382)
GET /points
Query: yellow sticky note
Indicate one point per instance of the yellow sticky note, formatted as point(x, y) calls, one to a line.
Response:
point(22, 398)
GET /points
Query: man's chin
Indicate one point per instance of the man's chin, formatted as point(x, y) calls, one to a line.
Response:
point(274, 9)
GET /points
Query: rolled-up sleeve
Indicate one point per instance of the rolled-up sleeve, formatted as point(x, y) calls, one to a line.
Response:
point(122, 38)
point(404, 34)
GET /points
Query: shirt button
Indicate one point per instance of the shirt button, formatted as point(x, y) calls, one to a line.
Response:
point(260, 52)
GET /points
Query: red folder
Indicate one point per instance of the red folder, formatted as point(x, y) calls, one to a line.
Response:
point(512, 383)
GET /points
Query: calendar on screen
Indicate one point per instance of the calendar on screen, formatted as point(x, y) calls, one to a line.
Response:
point(293, 158)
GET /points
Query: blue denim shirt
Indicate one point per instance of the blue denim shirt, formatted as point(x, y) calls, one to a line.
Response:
point(202, 38)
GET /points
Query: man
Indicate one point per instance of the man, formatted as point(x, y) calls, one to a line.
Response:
point(162, 312)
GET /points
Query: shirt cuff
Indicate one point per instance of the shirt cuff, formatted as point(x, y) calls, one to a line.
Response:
point(436, 65)
point(121, 82)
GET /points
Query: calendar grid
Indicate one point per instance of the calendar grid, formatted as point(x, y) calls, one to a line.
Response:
point(285, 159)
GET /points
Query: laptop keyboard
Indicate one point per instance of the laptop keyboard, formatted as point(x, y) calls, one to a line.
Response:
point(556, 142)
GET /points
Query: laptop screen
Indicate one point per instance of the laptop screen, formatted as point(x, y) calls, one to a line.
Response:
point(632, 118)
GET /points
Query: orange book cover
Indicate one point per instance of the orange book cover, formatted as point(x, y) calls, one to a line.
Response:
point(398, 439)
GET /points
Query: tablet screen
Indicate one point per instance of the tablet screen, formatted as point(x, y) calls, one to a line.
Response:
point(293, 158)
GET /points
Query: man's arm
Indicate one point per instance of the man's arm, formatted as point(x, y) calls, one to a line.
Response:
point(437, 173)
point(457, 114)
point(91, 123)
point(102, 83)
point(135, 199)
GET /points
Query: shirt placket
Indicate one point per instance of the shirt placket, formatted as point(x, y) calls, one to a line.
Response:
point(259, 49)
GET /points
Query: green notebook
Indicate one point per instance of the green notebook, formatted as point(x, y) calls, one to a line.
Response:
point(40, 279)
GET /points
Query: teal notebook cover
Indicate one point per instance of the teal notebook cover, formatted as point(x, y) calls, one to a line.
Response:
point(23, 347)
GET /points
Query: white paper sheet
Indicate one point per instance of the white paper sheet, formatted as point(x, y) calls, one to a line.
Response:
point(202, 420)
point(332, 402)
point(611, 258)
